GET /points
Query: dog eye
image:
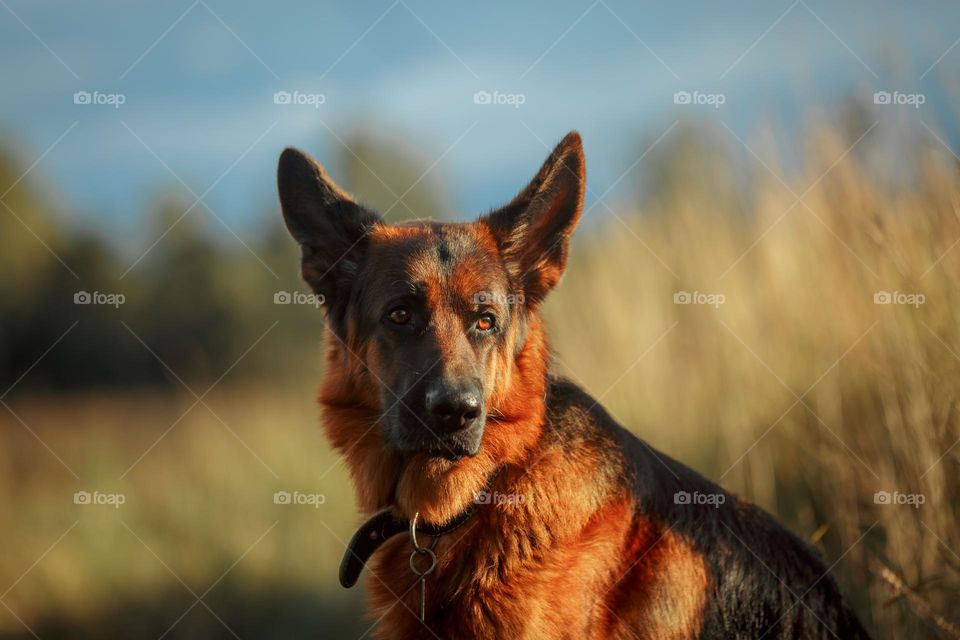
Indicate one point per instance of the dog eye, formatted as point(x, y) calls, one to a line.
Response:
point(486, 322)
point(399, 315)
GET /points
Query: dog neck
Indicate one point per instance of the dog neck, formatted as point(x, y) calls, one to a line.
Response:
point(436, 488)
point(383, 526)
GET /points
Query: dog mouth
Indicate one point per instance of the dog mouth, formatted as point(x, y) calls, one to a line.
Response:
point(453, 447)
point(452, 450)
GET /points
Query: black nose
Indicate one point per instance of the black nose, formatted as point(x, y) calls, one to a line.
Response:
point(452, 407)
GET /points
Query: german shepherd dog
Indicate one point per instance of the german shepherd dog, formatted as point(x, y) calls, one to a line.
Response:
point(505, 502)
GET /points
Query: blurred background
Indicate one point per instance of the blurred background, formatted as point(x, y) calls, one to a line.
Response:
point(764, 284)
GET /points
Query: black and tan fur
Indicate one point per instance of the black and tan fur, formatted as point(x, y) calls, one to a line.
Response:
point(437, 376)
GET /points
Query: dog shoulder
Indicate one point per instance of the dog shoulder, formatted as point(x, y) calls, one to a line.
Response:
point(575, 419)
point(747, 567)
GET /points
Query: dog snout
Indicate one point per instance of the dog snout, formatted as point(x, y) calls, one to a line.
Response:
point(456, 406)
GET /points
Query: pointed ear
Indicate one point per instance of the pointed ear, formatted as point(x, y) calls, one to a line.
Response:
point(329, 226)
point(534, 230)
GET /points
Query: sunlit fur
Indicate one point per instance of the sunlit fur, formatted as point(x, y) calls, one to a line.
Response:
point(591, 542)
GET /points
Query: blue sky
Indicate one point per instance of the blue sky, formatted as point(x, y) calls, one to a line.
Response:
point(198, 82)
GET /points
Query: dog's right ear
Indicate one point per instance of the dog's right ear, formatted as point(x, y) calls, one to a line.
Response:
point(329, 226)
point(534, 230)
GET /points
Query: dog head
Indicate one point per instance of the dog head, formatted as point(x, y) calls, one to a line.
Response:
point(428, 321)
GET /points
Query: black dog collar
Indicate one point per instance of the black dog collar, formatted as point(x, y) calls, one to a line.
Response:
point(381, 527)
point(377, 530)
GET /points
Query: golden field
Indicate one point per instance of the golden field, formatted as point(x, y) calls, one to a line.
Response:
point(790, 385)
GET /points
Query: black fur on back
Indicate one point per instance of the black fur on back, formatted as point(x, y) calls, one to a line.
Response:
point(765, 582)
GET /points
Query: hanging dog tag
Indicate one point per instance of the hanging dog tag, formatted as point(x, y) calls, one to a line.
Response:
point(422, 573)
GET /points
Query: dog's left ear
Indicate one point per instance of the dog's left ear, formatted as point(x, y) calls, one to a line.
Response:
point(533, 231)
point(329, 226)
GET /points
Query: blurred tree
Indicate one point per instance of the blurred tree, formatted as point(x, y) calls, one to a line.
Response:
point(36, 286)
point(26, 224)
point(199, 300)
point(184, 309)
point(390, 177)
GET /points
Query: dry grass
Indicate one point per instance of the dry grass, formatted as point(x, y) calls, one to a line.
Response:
point(799, 392)
point(198, 501)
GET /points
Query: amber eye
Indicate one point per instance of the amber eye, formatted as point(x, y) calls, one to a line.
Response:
point(399, 315)
point(486, 322)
